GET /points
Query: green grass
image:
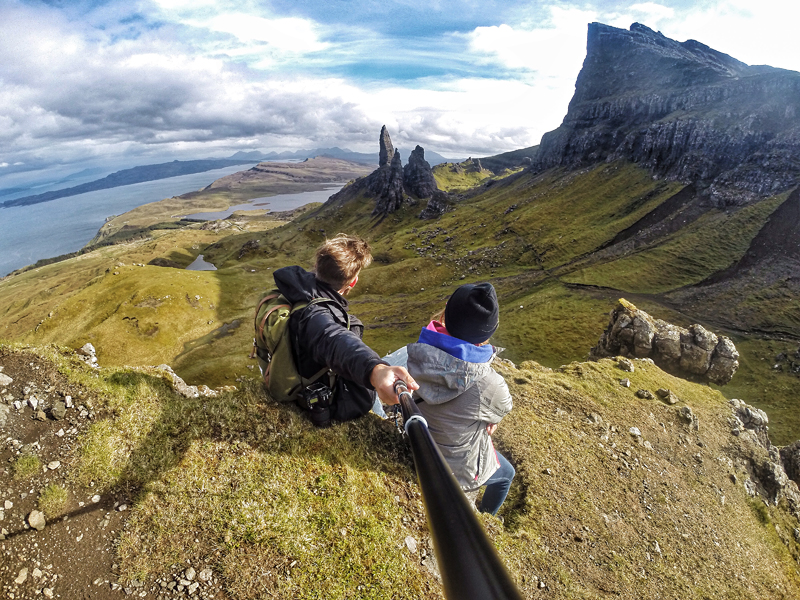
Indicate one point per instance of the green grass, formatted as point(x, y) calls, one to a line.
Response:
point(280, 509)
point(540, 228)
point(25, 466)
point(457, 177)
point(52, 500)
point(712, 243)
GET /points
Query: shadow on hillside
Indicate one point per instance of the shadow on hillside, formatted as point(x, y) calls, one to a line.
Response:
point(106, 505)
point(248, 416)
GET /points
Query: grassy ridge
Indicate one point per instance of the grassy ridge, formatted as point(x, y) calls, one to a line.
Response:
point(280, 509)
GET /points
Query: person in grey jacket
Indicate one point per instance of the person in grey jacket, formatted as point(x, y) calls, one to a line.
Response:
point(461, 397)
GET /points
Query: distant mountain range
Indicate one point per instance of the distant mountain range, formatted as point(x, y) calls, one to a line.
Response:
point(187, 167)
point(368, 158)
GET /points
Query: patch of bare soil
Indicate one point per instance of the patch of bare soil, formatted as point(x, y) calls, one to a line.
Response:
point(73, 556)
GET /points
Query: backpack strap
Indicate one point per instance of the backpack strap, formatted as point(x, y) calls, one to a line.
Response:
point(296, 346)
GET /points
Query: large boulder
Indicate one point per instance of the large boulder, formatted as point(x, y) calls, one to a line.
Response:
point(694, 352)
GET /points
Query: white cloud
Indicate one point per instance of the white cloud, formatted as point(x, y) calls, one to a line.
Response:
point(216, 76)
point(288, 35)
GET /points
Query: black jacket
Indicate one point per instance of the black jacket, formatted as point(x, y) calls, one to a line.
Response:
point(323, 340)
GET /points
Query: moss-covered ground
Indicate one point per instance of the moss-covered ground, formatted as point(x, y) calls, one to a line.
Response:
point(277, 508)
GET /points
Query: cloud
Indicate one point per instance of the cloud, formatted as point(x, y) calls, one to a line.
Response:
point(189, 78)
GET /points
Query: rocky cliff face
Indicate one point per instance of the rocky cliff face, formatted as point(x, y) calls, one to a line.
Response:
point(417, 175)
point(685, 111)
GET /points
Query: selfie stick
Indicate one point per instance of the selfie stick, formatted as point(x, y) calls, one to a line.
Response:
point(468, 562)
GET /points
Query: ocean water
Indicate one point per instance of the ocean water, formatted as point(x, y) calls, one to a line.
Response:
point(31, 233)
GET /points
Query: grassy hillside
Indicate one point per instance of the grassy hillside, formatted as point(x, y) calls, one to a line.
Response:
point(277, 508)
point(534, 237)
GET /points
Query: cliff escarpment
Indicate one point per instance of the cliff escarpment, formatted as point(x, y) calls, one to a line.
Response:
point(684, 111)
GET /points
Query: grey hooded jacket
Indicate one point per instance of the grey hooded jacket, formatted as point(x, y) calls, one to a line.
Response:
point(459, 399)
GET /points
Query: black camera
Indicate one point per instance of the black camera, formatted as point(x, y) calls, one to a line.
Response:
point(317, 396)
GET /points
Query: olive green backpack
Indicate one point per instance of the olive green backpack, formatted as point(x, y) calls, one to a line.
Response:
point(273, 347)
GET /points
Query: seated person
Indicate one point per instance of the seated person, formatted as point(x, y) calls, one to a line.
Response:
point(323, 338)
point(461, 397)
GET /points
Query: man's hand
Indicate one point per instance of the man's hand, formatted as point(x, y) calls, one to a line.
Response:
point(382, 379)
point(491, 428)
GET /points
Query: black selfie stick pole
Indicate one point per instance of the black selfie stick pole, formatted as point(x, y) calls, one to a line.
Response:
point(468, 562)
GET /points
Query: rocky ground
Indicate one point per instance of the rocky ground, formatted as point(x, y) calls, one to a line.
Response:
point(72, 555)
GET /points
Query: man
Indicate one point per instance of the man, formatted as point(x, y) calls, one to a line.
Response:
point(321, 337)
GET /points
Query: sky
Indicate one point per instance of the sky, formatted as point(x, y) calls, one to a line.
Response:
point(88, 83)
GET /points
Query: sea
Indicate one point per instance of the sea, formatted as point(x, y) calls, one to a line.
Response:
point(49, 229)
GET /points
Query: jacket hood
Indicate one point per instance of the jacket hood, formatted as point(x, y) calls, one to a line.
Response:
point(441, 376)
point(299, 285)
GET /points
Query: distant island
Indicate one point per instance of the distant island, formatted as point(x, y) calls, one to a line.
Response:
point(129, 176)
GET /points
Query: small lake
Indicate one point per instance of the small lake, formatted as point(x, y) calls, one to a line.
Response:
point(199, 264)
point(277, 203)
point(48, 229)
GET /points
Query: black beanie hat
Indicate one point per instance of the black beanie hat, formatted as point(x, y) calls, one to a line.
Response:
point(472, 313)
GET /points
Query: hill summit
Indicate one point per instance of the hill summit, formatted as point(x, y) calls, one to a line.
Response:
point(683, 110)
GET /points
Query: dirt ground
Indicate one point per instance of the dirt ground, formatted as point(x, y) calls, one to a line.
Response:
point(72, 557)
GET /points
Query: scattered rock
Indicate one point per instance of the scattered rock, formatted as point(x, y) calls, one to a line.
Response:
point(625, 364)
point(634, 431)
point(667, 396)
point(22, 577)
point(644, 394)
point(625, 383)
point(689, 417)
point(88, 354)
point(411, 544)
point(5, 380)
point(59, 411)
point(36, 520)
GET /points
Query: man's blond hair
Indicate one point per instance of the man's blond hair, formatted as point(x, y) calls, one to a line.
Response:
point(339, 259)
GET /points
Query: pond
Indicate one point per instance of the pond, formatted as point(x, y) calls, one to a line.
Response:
point(277, 203)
